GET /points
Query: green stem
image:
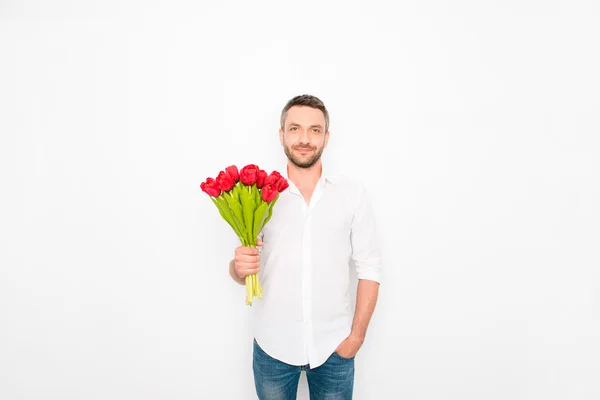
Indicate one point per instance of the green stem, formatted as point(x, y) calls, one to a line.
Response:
point(248, 290)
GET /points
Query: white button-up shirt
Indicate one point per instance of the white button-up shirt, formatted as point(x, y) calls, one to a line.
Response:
point(305, 311)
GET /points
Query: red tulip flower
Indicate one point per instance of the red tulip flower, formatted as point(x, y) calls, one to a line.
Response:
point(233, 172)
point(210, 187)
point(261, 176)
point(269, 192)
point(225, 181)
point(273, 178)
point(282, 184)
point(248, 174)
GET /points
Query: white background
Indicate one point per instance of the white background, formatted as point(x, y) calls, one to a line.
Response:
point(474, 125)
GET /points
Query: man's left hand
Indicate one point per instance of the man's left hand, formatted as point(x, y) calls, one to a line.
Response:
point(349, 347)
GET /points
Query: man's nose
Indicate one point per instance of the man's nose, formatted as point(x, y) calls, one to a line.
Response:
point(304, 136)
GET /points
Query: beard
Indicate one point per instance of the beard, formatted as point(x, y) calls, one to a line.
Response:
point(303, 162)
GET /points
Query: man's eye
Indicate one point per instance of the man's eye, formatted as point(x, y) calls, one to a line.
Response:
point(293, 128)
point(316, 130)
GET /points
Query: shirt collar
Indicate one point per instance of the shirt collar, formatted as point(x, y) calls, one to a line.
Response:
point(327, 174)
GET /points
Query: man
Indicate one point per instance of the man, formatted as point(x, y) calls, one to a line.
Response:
point(320, 226)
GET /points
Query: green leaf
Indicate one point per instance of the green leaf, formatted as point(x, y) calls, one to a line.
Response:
point(248, 207)
point(257, 197)
point(227, 215)
point(236, 211)
point(259, 218)
point(270, 210)
point(236, 191)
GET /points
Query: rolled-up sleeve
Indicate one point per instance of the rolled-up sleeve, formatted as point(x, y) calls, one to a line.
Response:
point(364, 237)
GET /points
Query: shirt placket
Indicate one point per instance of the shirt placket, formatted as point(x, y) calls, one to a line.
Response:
point(307, 271)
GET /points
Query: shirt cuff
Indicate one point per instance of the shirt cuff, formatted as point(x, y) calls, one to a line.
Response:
point(370, 275)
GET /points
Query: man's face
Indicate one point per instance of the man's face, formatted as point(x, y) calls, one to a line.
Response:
point(304, 137)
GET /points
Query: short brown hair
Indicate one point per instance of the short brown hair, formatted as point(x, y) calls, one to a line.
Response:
point(305, 100)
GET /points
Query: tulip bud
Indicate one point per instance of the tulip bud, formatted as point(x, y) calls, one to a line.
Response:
point(210, 187)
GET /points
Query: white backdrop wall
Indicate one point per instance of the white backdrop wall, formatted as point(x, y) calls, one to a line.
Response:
point(474, 125)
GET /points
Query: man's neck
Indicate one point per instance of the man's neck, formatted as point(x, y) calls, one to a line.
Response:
point(305, 178)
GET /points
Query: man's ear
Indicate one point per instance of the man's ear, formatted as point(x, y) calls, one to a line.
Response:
point(326, 139)
point(281, 136)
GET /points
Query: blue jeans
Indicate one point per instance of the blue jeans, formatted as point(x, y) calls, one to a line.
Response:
point(276, 380)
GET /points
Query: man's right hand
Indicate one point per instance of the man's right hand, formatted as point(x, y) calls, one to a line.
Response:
point(246, 261)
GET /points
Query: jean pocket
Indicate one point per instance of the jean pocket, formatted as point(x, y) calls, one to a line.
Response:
point(335, 353)
point(258, 351)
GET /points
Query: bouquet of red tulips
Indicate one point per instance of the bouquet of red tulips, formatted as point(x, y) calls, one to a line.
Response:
point(245, 199)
